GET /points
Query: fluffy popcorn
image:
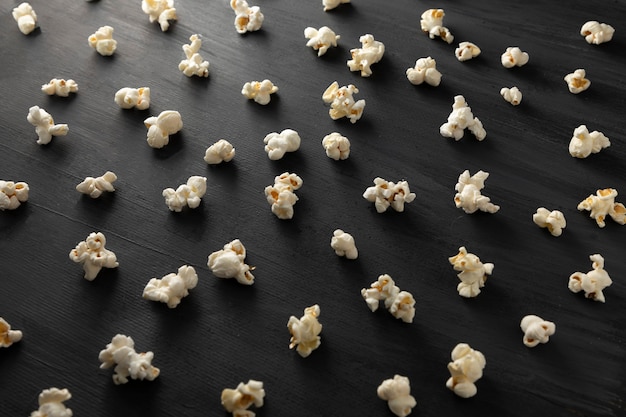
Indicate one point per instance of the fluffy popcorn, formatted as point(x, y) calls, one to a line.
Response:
point(465, 369)
point(128, 97)
point(385, 194)
point(397, 393)
point(596, 32)
point(44, 125)
point(473, 273)
point(576, 81)
point(468, 196)
point(584, 143)
point(93, 256)
point(403, 307)
point(247, 19)
point(466, 51)
point(161, 127)
point(277, 144)
point(305, 331)
point(553, 220)
point(128, 363)
point(161, 11)
point(238, 400)
point(220, 151)
point(512, 95)
point(425, 70)
point(102, 41)
point(194, 65)
point(189, 194)
point(259, 91)
point(12, 194)
point(400, 304)
point(603, 204)
point(514, 57)
point(336, 146)
point(8, 336)
point(25, 17)
point(432, 24)
point(462, 118)
point(172, 287)
point(51, 403)
point(593, 282)
point(536, 330)
point(331, 4)
point(94, 187)
point(229, 263)
point(321, 39)
point(371, 52)
point(281, 195)
point(343, 244)
point(342, 102)
point(60, 87)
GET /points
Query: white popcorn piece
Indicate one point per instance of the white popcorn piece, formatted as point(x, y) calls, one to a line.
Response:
point(431, 23)
point(468, 196)
point(385, 194)
point(13, 194)
point(259, 91)
point(331, 4)
point(603, 204)
point(128, 97)
point(465, 369)
point(584, 143)
point(473, 273)
point(466, 51)
point(321, 39)
point(512, 95)
point(8, 336)
point(425, 70)
point(553, 220)
point(596, 32)
point(102, 41)
point(228, 262)
point(462, 118)
point(305, 331)
point(514, 57)
point(51, 403)
point(536, 330)
point(593, 282)
point(343, 244)
point(281, 195)
point(94, 187)
point(128, 363)
point(220, 151)
point(247, 19)
point(397, 393)
point(93, 256)
point(194, 64)
point(186, 195)
point(161, 127)
point(400, 304)
point(336, 146)
point(172, 288)
point(277, 144)
point(238, 400)
point(576, 81)
point(44, 125)
point(342, 102)
point(25, 17)
point(60, 87)
point(370, 52)
point(403, 307)
point(161, 11)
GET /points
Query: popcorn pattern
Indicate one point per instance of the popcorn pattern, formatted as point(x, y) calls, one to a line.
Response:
point(593, 282)
point(220, 151)
point(553, 220)
point(342, 103)
point(343, 244)
point(25, 17)
point(8, 336)
point(511, 95)
point(247, 19)
point(94, 187)
point(60, 87)
point(466, 51)
point(371, 52)
point(189, 194)
point(397, 393)
point(465, 369)
point(425, 70)
point(385, 194)
point(603, 204)
point(400, 304)
point(431, 23)
point(584, 143)
point(259, 91)
point(93, 256)
point(536, 330)
point(596, 32)
point(127, 98)
point(229, 263)
point(102, 41)
point(281, 195)
point(514, 57)
point(161, 127)
point(12, 194)
point(238, 400)
point(44, 125)
point(277, 144)
point(473, 272)
point(172, 287)
point(576, 81)
point(462, 118)
point(321, 39)
point(128, 363)
point(161, 11)
point(194, 64)
point(51, 403)
point(468, 196)
point(336, 146)
point(305, 331)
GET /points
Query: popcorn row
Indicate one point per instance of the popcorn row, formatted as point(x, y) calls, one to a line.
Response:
point(385, 194)
point(400, 304)
point(186, 195)
point(305, 331)
point(12, 194)
point(229, 263)
point(281, 195)
point(342, 103)
point(120, 355)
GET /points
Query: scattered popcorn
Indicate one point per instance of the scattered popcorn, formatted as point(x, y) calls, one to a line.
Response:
point(512, 95)
point(553, 220)
point(259, 91)
point(336, 146)
point(238, 400)
point(51, 403)
point(576, 81)
point(466, 368)
point(371, 52)
point(102, 41)
point(12, 194)
point(343, 244)
point(94, 187)
point(25, 17)
point(385, 194)
point(220, 151)
point(277, 144)
point(425, 70)
point(397, 393)
point(514, 57)
point(584, 143)
point(247, 19)
point(160, 128)
point(194, 65)
point(128, 363)
point(536, 330)
point(305, 331)
point(468, 196)
point(8, 336)
point(331, 4)
point(229, 263)
point(161, 11)
point(93, 256)
point(593, 282)
point(44, 125)
point(342, 103)
point(462, 118)
point(400, 304)
point(281, 195)
point(596, 32)
point(603, 204)
point(321, 39)
point(432, 23)
point(60, 87)
point(466, 51)
point(127, 98)
point(473, 272)
point(189, 194)
point(173, 287)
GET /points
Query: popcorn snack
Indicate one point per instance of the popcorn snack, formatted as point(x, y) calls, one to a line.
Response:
point(321, 39)
point(259, 91)
point(25, 17)
point(553, 220)
point(128, 363)
point(342, 103)
point(172, 287)
point(584, 143)
point(462, 118)
point(161, 11)
point(229, 263)
point(238, 400)
point(596, 32)
point(425, 70)
point(336, 146)
point(603, 204)
point(473, 272)
point(188, 194)
point(468, 196)
point(305, 331)
point(465, 369)
point(397, 393)
point(160, 128)
point(220, 151)
point(127, 98)
point(400, 304)
point(94, 187)
point(385, 194)
point(44, 125)
point(343, 244)
point(12, 194)
point(247, 19)
point(576, 81)
point(431, 23)
point(102, 41)
point(371, 52)
point(93, 256)
point(277, 144)
point(331, 4)
point(593, 282)
point(281, 195)
point(514, 57)
point(8, 336)
point(466, 50)
point(536, 330)
point(194, 65)
point(51, 403)
point(512, 95)
point(60, 87)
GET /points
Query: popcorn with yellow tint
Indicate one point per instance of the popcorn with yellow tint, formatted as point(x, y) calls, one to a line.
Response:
point(51, 403)
point(94, 187)
point(161, 127)
point(128, 363)
point(397, 393)
point(102, 41)
point(596, 32)
point(277, 144)
point(8, 336)
point(342, 102)
point(584, 143)
point(44, 125)
point(321, 39)
point(425, 70)
point(603, 204)
point(305, 331)
point(431, 23)
point(593, 282)
point(512, 95)
point(161, 11)
point(468, 193)
point(400, 304)
point(514, 57)
point(186, 195)
point(128, 97)
point(462, 118)
point(536, 330)
point(238, 400)
point(343, 244)
point(92, 254)
point(172, 288)
point(466, 50)
point(370, 52)
point(331, 4)
point(465, 369)
point(576, 81)
point(553, 220)
point(247, 19)
point(281, 195)
point(229, 263)
point(403, 307)
point(473, 273)
point(259, 91)
point(385, 194)
point(60, 87)
point(194, 64)
point(25, 17)
point(220, 151)
point(12, 194)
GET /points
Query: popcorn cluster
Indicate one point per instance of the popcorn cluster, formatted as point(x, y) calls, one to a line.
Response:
point(93, 256)
point(172, 287)
point(336, 146)
point(425, 70)
point(466, 50)
point(512, 95)
point(161, 127)
point(128, 363)
point(305, 331)
point(603, 204)
point(12, 194)
point(536, 330)
point(343, 244)
point(331, 4)
point(514, 57)
point(186, 195)
point(8, 336)
point(102, 41)
point(247, 19)
point(342, 102)
point(465, 369)
point(60, 87)
point(259, 91)
point(281, 195)
point(584, 143)
point(51, 403)
point(596, 32)
point(94, 187)
point(370, 52)
point(473, 273)
point(238, 400)
point(220, 151)
point(194, 64)
point(468, 196)
point(229, 263)
point(161, 11)
point(128, 97)
point(462, 118)
point(576, 81)
point(593, 282)
point(44, 125)
point(397, 393)
point(277, 144)
point(553, 220)
point(385, 194)
point(431, 23)
point(25, 17)
point(321, 39)
point(400, 304)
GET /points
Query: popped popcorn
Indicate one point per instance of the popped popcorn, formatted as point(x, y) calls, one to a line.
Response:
point(468, 196)
point(603, 204)
point(425, 70)
point(336, 146)
point(371, 52)
point(342, 103)
point(466, 50)
point(247, 19)
point(281, 195)
point(465, 369)
point(385, 194)
point(160, 128)
point(161, 11)
point(576, 81)
point(102, 41)
point(343, 244)
point(584, 143)
point(514, 57)
point(331, 4)
point(8, 336)
point(400, 304)
point(220, 151)
point(596, 32)
point(93, 256)
point(397, 393)
point(60, 87)
point(305, 331)
point(94, 187)
point(512, 95)
point(194, 65)
point(12, 194)
point(593, 282)
point(403, 307)
point(462, 118)
point(238, 400)
point(473, 272)
point(536, 330)
point(277, 144)
point(128, 363)
point(25, 17)
point(431, 23)
point(128, 97)
point(189, 194)
point(553, 220)
point(172, 287)
point(51, 403)
point(259, 91)
point(321, 39)
point(44, 125)
point(229, 263)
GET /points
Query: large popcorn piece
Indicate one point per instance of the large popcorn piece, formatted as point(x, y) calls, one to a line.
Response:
point(281, 195)
point(342, 103)
point(603, 204)
point(277, 144)
point(94, 187)
point(331, 4)
point(161, 127)
point(51, 403)
point(370, 52)
point(128, 363)
point(172, 287)
point(514, 57)
point(12, 194)
point(385, 194)
point(343, 244)
point(512, 95)
point(473, 273)
point(465, 369)
point(584, 143)
point(553, 220)
point(8, 336)
point(593, 282)
point(596, 32)
point(466, 50)
point(259, 91)
point(93, 255)
point(186, 195)
point(468, 196)
point(536, 330)
point(432, 24)
point(128, 97)
point(161, 11)
point(102, 41)
point(397, 393)
point(229, 263)
point(336, 146)
point(321, 39)
point(25, 17)
point(400, 304)
point(305, 331)
point(193, 64)
point(44, 125)
point(425, 70)
point(60, 87)
point(220, 151)
point(462, 118)
point(247, 19)
point(576, 81)
point(238, 400)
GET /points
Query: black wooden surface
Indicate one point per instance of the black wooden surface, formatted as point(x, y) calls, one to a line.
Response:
point(224, 333)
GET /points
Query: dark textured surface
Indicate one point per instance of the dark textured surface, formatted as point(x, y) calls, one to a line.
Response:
point(224, 333)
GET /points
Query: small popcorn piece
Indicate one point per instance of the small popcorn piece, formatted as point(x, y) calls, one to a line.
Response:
point(512, 95)
point(342, 103)
point(51, 403)
point(238, 400)
point(162, 11)
point(462, 118)
point(259, 91)
point(305, 331)
point(466, 51)
point(93, 256)
point(371, 52)
point(400, 304)
point(576, 81)
point(473, 272)
point(8, 336)
point(468, 196)
point(25, 17)
point(127, 98)
point(160, 128)
point(128, 363)
point(514, 57)
point(385, 194)
point(343, 244)
point(593, 282)
point(584, 143)
point(432, 23)
point(321, 39)
point(397, 393)
point(277, 144)
point(102, 41)
point(12, 194)
point(172, 288)
point(60, 87)
point(229, 263)
point(553, 220)
point(603, 204)
point(536, 330)
point(44, 125)
point(194, 64)
point(596, 32)
point(281, 195)
point(336, 146)
point(94, 187)
point(403, 307)
point(247, 19)
point(465, 369)
point(220, 151)
point(425, 70)
point(331, 4)
point(186, 195)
